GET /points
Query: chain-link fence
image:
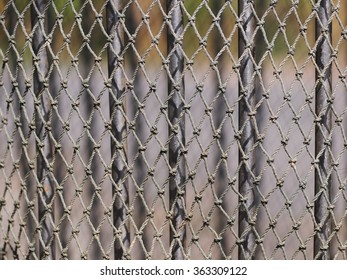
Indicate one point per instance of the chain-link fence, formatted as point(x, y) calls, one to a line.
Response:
point(147, 129)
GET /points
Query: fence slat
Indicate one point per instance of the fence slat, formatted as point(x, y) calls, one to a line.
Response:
point(246, 127)
point(42, 119)
point(176, 128)
point(118, 128)
point(322, 130)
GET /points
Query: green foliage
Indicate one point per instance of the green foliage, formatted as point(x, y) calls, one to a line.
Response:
point(292, 13)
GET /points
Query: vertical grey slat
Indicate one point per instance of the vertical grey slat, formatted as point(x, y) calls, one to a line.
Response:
point(221, 179)
point(42, 117)
point(322, 130)
point(88, 102)
point(177, 129)
point(118, 127)
point(140, 167)
point(246, 127)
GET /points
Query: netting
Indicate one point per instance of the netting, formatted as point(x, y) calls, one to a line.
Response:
point(173, 129)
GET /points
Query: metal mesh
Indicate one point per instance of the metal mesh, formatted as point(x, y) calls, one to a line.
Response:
point(173, 129)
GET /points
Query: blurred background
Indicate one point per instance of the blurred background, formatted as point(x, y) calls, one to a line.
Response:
point(77, 141)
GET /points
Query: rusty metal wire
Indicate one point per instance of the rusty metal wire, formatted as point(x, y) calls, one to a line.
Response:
point(171, 129)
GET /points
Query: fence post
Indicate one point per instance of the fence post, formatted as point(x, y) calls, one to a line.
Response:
point(246, 127)
point(322, 130)
point(176, 128)
point(118, 127)
point(45, 188)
